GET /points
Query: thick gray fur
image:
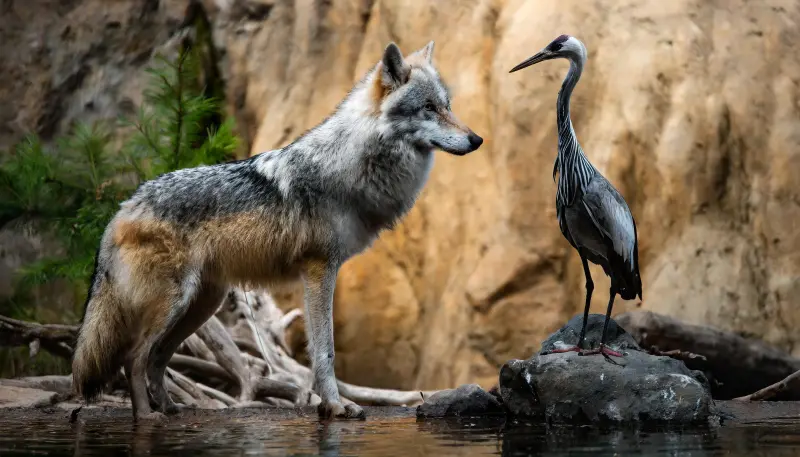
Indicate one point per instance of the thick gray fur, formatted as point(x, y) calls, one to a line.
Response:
point(320, 200)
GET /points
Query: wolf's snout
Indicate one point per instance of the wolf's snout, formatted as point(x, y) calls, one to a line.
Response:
point(474, 140)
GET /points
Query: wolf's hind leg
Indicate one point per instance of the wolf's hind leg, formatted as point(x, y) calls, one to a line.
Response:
point(189, 313)
point(319, 279)
point(135, 372)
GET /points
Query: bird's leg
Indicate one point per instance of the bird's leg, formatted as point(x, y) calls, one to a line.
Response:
point(589, 288)
point(602, 349)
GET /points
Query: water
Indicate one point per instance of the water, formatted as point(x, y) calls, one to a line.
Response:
point(259, 433)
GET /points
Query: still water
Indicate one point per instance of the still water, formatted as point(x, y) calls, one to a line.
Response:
point(385, 435)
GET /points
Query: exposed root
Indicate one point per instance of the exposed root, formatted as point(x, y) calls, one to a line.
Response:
point(734, 365)
point(236, 359)
point(791, 382)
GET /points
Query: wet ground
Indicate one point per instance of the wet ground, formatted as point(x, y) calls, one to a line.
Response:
point(767, 429)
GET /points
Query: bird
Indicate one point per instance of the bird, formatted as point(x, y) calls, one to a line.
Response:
point(592, 215)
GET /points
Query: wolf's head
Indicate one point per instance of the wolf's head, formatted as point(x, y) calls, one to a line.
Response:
point(414, 103)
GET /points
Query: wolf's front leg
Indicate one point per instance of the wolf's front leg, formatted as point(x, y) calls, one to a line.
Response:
point(319, 279)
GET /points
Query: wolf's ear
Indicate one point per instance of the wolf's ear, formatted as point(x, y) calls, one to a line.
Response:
point(427, 51)
point(395, 70)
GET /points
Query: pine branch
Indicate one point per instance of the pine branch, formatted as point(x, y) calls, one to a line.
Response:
point(179, 111)
point(179, 125)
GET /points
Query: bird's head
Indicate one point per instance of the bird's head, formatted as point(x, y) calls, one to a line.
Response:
point(565, 47)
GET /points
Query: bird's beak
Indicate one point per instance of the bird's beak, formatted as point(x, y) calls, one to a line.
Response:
point(536, 58)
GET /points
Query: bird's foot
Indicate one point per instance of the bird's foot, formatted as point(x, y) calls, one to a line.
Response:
point(562, 350)
point(604, 350)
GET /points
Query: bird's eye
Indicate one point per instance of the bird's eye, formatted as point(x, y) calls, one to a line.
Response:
point(430, 107)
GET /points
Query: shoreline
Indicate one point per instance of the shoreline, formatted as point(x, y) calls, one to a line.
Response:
point(730, 412)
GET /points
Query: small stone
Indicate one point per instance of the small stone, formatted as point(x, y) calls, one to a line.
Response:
point(466, 400)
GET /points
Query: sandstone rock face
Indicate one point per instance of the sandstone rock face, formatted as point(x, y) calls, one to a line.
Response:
point(76, 60)
point(691, 108)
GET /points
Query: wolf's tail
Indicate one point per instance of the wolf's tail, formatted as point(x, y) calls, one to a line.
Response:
point(101, 340)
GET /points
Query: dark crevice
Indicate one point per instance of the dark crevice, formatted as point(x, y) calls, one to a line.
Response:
point(258, 12)
point(366, 14)
point(47, 124)
point(149, 7)
point(723, 170)
point(201, 42)
point(524, 279)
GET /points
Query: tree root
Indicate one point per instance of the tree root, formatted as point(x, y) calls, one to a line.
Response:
point(734, 365)
point(238, 358)
point(791, 382)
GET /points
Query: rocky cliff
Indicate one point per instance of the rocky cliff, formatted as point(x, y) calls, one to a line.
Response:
point(690, 107)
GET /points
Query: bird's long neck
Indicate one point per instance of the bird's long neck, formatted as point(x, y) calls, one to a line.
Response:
point(573, 167)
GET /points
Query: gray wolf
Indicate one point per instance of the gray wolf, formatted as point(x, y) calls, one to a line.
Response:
point(174, 248)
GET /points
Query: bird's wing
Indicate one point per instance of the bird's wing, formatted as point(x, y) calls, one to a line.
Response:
point(611, 216)
point(636, 258)
point(555, 168)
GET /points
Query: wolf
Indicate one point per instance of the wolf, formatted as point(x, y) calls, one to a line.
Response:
point(173, 249)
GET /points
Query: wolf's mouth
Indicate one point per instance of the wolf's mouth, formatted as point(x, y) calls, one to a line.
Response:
point(438, 145)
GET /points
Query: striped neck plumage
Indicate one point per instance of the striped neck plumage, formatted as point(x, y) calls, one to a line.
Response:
point(573, 167)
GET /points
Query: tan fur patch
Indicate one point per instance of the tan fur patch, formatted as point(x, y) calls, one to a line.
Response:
point(150, 247)
point(252, 248)
point(153, 258)
point(416, 60)
point(315, 272)
point(449, 118)
point(377, 90)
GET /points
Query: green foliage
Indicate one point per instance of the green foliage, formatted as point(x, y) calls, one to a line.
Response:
point(15, 362)
point(181, 128)
point(25, 182)
point(74, 186)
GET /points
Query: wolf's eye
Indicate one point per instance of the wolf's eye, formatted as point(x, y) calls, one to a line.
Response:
point(430, 107)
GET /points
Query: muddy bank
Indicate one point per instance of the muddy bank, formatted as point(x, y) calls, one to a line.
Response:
point(63, 411)
point(728, 411)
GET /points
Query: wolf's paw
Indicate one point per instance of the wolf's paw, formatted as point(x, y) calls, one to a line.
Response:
point(336, 410)
point(174, 408)
point(155, 416)
point(354, 411)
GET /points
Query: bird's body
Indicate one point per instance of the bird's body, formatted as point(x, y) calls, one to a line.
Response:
point(600, 226)
point(592, 215)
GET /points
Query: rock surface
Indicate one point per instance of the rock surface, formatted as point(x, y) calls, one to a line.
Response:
point(570, 388)
point(568, 335)
point(466, 400)
point(689, 107)
point(17, 397)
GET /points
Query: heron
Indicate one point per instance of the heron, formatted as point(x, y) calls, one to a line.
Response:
point(592, 215)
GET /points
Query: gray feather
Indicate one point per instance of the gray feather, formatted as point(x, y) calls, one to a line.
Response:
point(611, 216)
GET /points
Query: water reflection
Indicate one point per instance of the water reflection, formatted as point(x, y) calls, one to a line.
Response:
point(255, 434)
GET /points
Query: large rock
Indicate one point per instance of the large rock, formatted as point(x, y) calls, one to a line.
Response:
point(570, 388)
point(689, 107)
point(76, 60)
point(466, 400)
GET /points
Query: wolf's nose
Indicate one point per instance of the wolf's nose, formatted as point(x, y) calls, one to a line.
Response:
point(474, 140)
